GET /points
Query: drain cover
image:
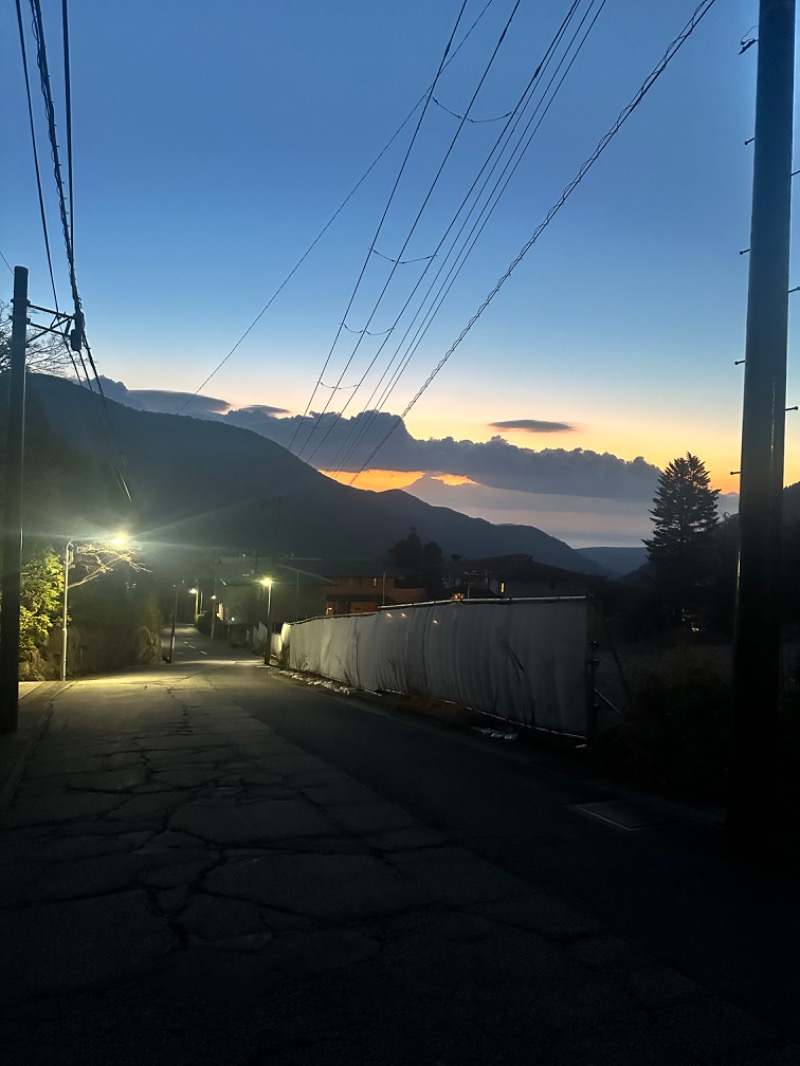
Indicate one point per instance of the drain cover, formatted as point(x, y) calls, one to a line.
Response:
point(623, 815)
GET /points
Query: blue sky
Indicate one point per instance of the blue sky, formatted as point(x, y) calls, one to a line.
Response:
point(213, 142)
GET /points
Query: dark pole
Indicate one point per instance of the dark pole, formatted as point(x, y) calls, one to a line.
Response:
point(755, 743)
point(174, 620)
point(12, 524)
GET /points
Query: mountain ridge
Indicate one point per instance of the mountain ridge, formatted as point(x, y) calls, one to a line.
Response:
point(202, 482)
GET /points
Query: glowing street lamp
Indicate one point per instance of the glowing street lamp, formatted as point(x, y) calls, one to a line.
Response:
point(267, 583)
point(119, 541)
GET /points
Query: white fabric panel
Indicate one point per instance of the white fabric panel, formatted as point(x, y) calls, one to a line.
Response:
point(522, 660)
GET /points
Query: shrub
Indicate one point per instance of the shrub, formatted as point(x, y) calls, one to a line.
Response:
point(674, 738)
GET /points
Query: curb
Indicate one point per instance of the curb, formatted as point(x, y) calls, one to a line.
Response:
point(19, 763)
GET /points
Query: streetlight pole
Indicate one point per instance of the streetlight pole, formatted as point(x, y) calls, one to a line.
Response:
point(267, 583)
point(64, 615)
point(69, 558)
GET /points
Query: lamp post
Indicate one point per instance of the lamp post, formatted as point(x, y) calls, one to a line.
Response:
point(267, 583)
point(67, 565)
point(69, 558)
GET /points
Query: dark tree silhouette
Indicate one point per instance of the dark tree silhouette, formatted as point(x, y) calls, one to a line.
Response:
point(45, 353)
point(685, 519)
point(420, 561)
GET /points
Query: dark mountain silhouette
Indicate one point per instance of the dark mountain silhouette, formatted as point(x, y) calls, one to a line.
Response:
point(619, 561)
point(206, 484)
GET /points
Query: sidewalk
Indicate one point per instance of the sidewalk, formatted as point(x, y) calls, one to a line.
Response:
point(180, 885)
point(17, 748)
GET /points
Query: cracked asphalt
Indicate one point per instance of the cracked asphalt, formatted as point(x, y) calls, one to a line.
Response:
point(182, 884)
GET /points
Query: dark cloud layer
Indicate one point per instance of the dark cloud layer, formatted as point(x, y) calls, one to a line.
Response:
point(166, 402)
point(533, 425)
point(345, 444)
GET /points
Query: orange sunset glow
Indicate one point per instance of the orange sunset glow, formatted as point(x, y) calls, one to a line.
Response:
point(377, 480)
point(380, 480)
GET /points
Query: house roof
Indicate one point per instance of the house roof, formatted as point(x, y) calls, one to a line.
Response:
point(333, 568)
point(518, 567)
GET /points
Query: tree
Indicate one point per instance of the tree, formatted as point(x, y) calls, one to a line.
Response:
point(421, 562)
point(42, 584)
point(45, 353)
point(407, 553)
point(685, 519)
point(101, 557)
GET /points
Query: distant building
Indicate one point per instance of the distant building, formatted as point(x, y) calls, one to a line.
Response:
point(248, 592)
point(510, 577)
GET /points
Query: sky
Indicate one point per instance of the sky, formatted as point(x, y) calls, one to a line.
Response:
point(213, 143)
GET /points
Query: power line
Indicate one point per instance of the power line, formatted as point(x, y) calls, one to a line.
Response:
point(331, 220)
point(390, 200)
point(47, 95)
point(66, 216)
point(411, 231)
point(42, 212)
point(510, 167)
point(358, 431)
point(68, 110)
point(699, 13)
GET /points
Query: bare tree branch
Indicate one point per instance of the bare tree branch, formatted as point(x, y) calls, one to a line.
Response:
point(46, 354)
point(99, 559)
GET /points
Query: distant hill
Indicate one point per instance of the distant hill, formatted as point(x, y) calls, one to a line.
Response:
point(619, 561)
point(206, 484)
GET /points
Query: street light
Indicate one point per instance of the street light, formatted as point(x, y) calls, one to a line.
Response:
point(267, 583)
point(118, 541)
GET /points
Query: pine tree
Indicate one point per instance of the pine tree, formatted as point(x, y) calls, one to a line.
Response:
point(685, 518)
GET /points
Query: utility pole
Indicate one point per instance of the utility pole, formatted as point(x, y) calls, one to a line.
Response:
point(755, 743)
point(12, 523)
point(65, 610)
point(174, 621)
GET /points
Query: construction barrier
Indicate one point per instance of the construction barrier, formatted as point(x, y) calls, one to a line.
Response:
point(525, 661)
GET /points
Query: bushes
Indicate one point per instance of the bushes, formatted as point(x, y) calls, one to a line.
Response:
point(674, 737)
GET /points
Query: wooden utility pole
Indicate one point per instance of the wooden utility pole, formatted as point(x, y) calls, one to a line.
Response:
point(12, 516)
point(755, 742)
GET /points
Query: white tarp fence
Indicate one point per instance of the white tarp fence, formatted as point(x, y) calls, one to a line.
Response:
point(522, 660)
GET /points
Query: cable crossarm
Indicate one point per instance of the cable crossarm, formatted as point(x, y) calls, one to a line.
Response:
point(359, 430)
point(368, 256)
point(673, 48)
point(332, 219)
point(410, 234)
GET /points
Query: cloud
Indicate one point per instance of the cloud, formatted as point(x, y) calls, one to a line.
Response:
point(532, 425)
point(380, 440)
point(163, 401)
point(377, 439)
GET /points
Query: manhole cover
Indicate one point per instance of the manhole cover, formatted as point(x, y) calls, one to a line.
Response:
point(623, 815)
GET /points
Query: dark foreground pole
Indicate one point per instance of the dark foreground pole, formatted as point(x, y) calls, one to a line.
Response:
point(12, 516)
point(755, 743)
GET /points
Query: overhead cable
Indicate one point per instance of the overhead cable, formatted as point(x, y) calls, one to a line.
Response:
point(42, 211)
point(468, 246)
point(78, 317)
point(330, 221)
point(377, 234)
point(360, 429)
point(414, 225)
point(699, 13)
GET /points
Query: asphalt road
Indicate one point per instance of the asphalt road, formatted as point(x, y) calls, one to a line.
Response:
point(669, 888)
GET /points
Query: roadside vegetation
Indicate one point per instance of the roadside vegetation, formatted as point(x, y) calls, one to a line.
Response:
point(670, 626)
